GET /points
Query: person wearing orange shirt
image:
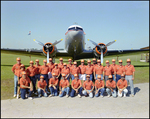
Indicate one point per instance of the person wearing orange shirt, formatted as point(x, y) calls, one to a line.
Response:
point(31, 74)
point(44, 69)
point(53, 85)
point(51, 66)
point(60, 65)
point(64, 86)
point(122, 85)
point(41, 87)
point(15, 69)
point(99, 86)
point(56, 70)
point(110, 87)
point(24, 86)
point(94, 62)
point(88, 87)
point(37, 66)
point(74, 70)
point(129, 75)
point(114, 66)
point(66, 71)
point(89, 70)
point(107, 70)
point(98, 70)
point(82, 75)
point(76, 86)
point(69, 66)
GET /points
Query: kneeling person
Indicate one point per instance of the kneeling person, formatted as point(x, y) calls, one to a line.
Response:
point(99, 86)
point(64, 86)
point(122, 85)
point(76, 86)
point(41, 87)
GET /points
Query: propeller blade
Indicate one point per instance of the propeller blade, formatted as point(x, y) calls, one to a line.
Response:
point(93, 42)
point(38, 42)
point(108, 44)
point(56, 42)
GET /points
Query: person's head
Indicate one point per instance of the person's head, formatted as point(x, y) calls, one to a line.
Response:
point(63, 76)
point(75, 64)
point(110, 77)
point(50, 60)
point(122, 77)
point(87, 77)
point(113, 61)
point(120, 62)
point(37, 62)
point(99, 62)
point(70, 61)
point(31, 63)
point(107, 62)
point(18, 60)
point(99, 77)
point(56, 65)
point(89, 62)
point(128, 61)
point(53, 75)
point(22, 67)
point(94, 61)
point(82, 62)
point(44, 62)
point(61, 60)
point(24, 74)
point(65, 65)
point(76, 76)
point(41, 78)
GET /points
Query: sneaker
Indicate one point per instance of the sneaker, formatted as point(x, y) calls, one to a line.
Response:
point(101, 96)
point(17, 96)
point(67, 96)
point(14, 95)
point(132, 95)
point(79, 95)
point(124, 96)
point(108, 96)
point(50, 95)
point(30, 98)
point(26, 95)
point(39, 95)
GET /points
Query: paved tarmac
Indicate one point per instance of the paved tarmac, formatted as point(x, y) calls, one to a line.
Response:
point(137, 106)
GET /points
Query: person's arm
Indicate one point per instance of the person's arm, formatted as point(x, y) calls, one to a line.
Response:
point(133, 76)
point(94, 75)
point(92, 89)
point(67, 76)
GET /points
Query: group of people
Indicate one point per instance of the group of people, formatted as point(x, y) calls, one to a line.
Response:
point(55, 78)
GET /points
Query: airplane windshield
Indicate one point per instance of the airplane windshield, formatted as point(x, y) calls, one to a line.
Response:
point(75, 29)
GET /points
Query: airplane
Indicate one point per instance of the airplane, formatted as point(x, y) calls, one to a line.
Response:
point(75, 47)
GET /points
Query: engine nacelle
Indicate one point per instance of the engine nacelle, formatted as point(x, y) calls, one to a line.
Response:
point(52, 50)
point(97, 50)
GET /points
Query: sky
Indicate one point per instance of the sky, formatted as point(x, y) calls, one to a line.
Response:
point(102, 21)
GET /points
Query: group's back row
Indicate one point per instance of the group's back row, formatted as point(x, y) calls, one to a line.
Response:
point(93, 70)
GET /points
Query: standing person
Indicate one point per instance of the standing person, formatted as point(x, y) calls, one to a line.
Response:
point(31, 74)
point(114, 66)
point(74, 70)
point(37, 73)
point(66, 71)
point(107, 70)
point(89, 69)
point(44, 69)
point(51, 66)
point(119, 70)
point(76, 86)
point(64, 86)
point(24, 86)
point(82, 75)
point(69, 66)
point(56, 70)
point(98, 70)
point(110, 87)
point(60, 65)
point(99, 86)
point(88, 87)
point(129, 75)
point(94, 62)
point(122, 85)
point(15, 69)
point(53, 85)
point(41, 87)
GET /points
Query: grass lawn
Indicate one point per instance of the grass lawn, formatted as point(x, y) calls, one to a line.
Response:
point(9, 59)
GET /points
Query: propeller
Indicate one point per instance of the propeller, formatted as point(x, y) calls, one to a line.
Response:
point(48, 46)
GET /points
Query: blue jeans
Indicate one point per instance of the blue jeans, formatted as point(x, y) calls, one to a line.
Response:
point(23, 93)
point(33, 82)
point(91, 77)
point(117, 78)
point(46, 79)
point(15, 84)
point(72, 77)
point(102, 92)
point(37, 76)
point(40, 91)
point(90, 94)
point(73, 92)
point(53, 91)
point(63, 91)
point(129, 80)
point(101, 76)
point(113, 93)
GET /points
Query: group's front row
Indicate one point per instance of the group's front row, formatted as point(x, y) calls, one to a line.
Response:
point(86, 89)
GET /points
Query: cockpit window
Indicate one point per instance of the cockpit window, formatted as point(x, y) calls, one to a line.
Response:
point(75, 29)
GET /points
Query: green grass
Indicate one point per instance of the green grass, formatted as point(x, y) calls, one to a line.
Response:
point(9, 59)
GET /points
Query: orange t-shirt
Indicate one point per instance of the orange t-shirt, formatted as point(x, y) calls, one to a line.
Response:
point(20, 72)
point(88, 85)
point(52, 81)
point(99, 84)
point(44, 69)
point(108, 70)
point(74, 70)
point(51, 66)
point(121, 84)
point(61, 66)
point(89, 70)
point(98, 69)
point(129, 70)
point(63, 83)
point(65, 71)
point(24, 82)
point(68, 65)
point(41, 84)
point(120, 69)
point(37, 69)
point(56, 71)
point(114, 68)
point(31, 71)
point(76, 83)
point(16, 68)
point(111, 84)
point(82, 69)
point(94, 65)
